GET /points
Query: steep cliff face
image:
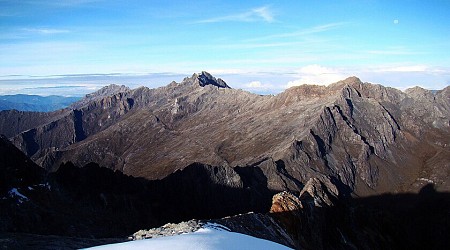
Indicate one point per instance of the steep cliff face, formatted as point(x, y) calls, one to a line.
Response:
point(318, 219)
point(46, 133)
point(14, 122)
point(16, 169)
point(362, 138)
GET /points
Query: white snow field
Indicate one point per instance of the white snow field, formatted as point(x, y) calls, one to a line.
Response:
point(208, 238)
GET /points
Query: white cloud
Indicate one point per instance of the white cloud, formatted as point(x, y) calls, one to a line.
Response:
point(254, 84)
point(263, 13)
point(315, 69)
point(258, 85)
point(316, 74)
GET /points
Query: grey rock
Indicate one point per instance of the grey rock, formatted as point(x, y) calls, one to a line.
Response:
point(106, 91)
point(169, 229)
point(204, 78)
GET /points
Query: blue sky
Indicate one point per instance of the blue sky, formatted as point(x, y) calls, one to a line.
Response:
point(261, 46)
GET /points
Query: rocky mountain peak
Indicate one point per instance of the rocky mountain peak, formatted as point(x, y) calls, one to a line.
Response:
point(419, 93)
point(352, 81)
point(205, 78)
point(109, 90)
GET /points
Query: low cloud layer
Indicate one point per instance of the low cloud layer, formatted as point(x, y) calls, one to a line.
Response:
point(316, 74)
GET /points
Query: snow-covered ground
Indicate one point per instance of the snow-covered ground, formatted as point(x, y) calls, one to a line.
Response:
point(15, 193)
point(210, 237)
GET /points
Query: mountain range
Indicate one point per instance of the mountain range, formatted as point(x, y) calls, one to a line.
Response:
point(201, 149)
point(35, 102)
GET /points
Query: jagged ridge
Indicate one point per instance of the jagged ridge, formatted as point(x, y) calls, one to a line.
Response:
point(354, 135)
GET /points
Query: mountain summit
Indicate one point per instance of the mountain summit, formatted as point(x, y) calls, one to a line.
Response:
point(205, 78)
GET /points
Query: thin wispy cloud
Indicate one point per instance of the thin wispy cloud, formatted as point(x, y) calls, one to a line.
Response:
point(322, 28)
point(65, 3)
point(410, 68)
point(259, 45)
point(78, 2)
point(302, 32)
point(6, 14)
point(45, 31)
point(392, 52)
point(264, 14)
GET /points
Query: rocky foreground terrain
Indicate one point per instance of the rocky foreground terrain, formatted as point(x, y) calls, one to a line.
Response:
point(350, 165)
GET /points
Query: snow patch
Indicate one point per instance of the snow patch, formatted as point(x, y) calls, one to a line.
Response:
point(426, 180)
point(216, 226)
point(44, 185)
point(210, 237)
point(15, 193)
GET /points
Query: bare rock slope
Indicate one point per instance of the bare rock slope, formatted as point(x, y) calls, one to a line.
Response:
point(356, 137)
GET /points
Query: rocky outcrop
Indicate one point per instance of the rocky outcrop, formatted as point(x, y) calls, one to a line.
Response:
point(258, 225)
point(305, 217)
point(205, 78)
point(321, 194)
point(169, 229)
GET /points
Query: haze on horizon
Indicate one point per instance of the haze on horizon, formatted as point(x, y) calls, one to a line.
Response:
point(76, 46)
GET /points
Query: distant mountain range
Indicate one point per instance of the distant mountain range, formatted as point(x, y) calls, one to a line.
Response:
point(200, 149)
point(35, 103)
